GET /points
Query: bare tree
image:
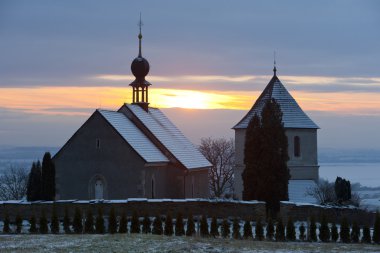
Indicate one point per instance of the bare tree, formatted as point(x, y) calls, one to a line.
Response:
point(221, 154)
point(13, 182)
point(323, 192)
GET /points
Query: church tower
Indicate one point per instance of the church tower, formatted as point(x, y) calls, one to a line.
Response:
point(140, 69)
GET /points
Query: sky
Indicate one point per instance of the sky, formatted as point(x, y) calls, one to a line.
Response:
point(210, 60)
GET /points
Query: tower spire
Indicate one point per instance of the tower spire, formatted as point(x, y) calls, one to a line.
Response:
point(274, 63)
point(140, 35)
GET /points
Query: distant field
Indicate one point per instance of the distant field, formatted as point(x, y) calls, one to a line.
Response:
point(151, 243)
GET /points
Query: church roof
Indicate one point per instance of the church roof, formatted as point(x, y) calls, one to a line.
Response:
point(170, 136)
point(138, 141)
point(292, 114)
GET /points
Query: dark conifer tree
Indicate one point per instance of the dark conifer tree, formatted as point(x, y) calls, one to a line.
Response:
point(312, 230)
point(168, 230)
point(123, 224)
point(190, 226)
point(214, 227)
point(157, 226)
point(324, 230)
point(247, 228)
point(259, 231)
point(236, 229)
point(366, 235)
point(179, 227)
point(33, 226)
point(18, 222)
point(43, 228)
point(280, 231)
point(355, 232)
point(290, 230)
point(334, 233)
point(77, 221)
point(342, 189)
point(225, 228)
point(99, 222)
point(345, 231)
point(34, 187)
point(54, 224)
point(302, 230)
point(89, 222)
point(146, 225)
point(6, 226)
point(112, 222)
point(376, 229)
point(270, 230)
point(48, 178)
point(66, 222)
point(204, 226)
point(135, 223)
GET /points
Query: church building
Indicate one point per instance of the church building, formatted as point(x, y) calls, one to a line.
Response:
point(302, 141)
point(134, 152)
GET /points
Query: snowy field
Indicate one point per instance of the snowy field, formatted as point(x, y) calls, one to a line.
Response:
point(154, 243)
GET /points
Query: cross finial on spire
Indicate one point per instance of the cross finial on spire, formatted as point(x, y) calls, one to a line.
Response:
point(140, 24)
point(274, 63)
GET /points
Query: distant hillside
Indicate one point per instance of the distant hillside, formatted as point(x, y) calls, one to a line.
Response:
point(333, 155)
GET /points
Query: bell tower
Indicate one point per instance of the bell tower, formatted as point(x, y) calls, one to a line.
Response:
point(140, 69)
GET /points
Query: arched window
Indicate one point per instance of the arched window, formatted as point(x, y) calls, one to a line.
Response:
point(297, 146)
point(153, 188)
point(99, 189)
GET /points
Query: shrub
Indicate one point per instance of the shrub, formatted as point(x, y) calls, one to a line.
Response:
point(77, 222)
point(366, 235)
point(324, 231)
point(157, 226)
point(376, 229)
point(190, 226)
point(247, 229)
point(66, 222)
point(99, 222)
point(290, 230)
point(334, 233)
point(236, 229)
point(18, 222)
point(270, 230)
point(179, 228)
point(355, 232)
point(146, 225)
point(345, 231)
point(54, 225)
point(312, 230)
point(204, 226)
point(43, 223)
point(259, 230)
point(112, 222)
point(6, 227)
point(302, 230)
point(168, 225)
point(89, 223)
point(123, 226)
point(225, 228)
point(280, 231)
point(33, 227)
point(135, 223)
point(214, 227)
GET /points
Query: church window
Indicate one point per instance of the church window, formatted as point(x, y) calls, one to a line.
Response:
point(297, 146)
point(99, 189)
point(98, 143)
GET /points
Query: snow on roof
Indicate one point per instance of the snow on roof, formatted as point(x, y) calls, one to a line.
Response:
point(170, 136)
point(292, 114)
point(138, 141)
point(298, 189)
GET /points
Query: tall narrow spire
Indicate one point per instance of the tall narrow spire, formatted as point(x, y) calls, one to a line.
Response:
point(140, 35)
point(274, 63)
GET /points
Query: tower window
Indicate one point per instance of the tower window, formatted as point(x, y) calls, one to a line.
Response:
point(98, 143)
point(297, 146)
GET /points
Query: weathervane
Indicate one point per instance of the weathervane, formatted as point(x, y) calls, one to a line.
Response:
point(274, 63)
point(140, 24)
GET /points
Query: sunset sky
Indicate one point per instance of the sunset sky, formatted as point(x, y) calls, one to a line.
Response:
point(210, 60)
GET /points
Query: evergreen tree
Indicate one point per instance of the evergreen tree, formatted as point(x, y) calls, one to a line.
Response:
point(265, 158)
point(376, 229)
point(77, 222)
point(33, 226)
point(123, 225)
point(6, 227)
point(168, 225)
point(146, 225)
point(48, 178)
point(342, 189)
point(247, 228)
point(324, 231)
point(366, 235)
point(302, 230)
point(214, 232)
point(270, 230)
point(157, 226)
point(225, 228)
point(135, 223)
point(33, 190)
point(112, 222)
point(280, 231)
point(236, 229)
point(290, 230)
point(259, 230)
point(54, 225)
point(334, 233)
point(66, 222)
point(355, 232)
point(190, 226)
point(18, 222)
point(43, 223)
point(89, 222)
point(345, 231)
point(179, 228)
point(312, 230)
point(204, 226)
point(99, 222)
